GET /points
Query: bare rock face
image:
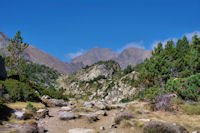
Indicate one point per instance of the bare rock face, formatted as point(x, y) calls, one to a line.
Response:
point(160, 127)
point(3, 73)
point(95, 72)
point(4, 42)
point(132, 56)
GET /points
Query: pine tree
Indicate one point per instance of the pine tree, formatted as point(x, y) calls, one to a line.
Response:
point(16, 48)
point(158, 50)
point(180, 63)
point(195, 55)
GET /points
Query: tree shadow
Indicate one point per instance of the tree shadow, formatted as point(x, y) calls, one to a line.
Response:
point(5, 113)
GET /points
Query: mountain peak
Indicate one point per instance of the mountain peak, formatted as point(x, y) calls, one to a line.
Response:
point(128, 56)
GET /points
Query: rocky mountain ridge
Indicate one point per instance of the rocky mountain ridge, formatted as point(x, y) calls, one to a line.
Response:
point(36, 56)
point(130, 56)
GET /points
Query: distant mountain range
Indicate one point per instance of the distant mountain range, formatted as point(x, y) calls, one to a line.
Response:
point(130, 56)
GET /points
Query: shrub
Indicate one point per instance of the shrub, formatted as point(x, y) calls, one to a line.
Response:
point(41, 74)
point(126, 124)
point(186, 88)
point(122, 116)
point(160, 127)
point(177, 101)
point(50, 92)
point(19, 91)
point(126, 100)
point(30, 107)
point(152, 92)
point(128, 69)
point(1, 104)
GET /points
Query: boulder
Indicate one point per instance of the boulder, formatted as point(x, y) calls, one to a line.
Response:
point(22, 115)
point(28, 128)
point(100, 105)
point(65, 115)
point(145, 120)
point(88, 104)
point(81, 130)
point(160, 127)
point(53, 102)
point(41, 113)
point(90, 117)
point(101, 112)
point(40, 129)
point(120, 105)
point(65, 108)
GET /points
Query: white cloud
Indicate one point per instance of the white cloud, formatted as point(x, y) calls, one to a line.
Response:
point(74, 55)
point(190, 35)
point(132, 45)
point(164, 42)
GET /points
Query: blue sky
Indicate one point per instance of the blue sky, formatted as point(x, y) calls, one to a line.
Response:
point(67, 28)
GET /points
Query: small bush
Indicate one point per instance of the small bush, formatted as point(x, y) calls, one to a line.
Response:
point(126, 124)
point(152, 92)
point(122, 116)
point(30, 107)
point(192, 109)
point(126, 100)
point(177, 101)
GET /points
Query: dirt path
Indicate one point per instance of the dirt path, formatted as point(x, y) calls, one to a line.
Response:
point(55, 125)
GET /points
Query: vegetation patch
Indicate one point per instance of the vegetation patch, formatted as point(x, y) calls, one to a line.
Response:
point(20, 105)
point(191, 109)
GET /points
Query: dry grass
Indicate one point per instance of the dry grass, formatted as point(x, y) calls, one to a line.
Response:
point(131, 108)
point(191, 109)
point(177, 101)
point(126, 124)
point(15, 121)
point(82, 109)
point(80, 103)
point(190, 122)
point(20, 105)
